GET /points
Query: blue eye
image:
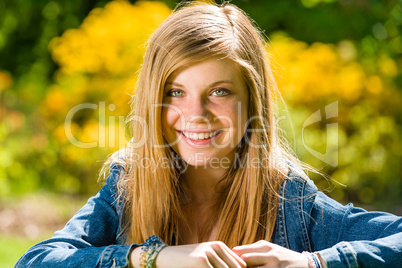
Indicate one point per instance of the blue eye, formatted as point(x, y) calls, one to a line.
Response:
point(175, 93)
point(221, 92)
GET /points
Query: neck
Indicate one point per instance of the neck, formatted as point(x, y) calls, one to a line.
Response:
point(201, 182)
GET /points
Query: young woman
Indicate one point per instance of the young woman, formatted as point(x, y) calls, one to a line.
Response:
point(205, 180)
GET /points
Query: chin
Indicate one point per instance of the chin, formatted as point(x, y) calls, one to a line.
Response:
point(201, 159)
point(196, 159)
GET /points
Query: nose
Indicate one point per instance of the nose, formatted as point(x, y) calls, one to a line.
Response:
point(198, 111)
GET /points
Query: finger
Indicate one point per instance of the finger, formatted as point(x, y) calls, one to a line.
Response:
point(235, 256)
point(258, 258)
point(229, 257)
point(255, 247)
point(215, 260)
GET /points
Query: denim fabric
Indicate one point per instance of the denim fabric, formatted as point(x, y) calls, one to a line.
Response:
point(345, 236)
point(307, 220)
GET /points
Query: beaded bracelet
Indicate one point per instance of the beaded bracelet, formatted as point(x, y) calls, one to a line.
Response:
point(313, 260)
point(317, 260)
point(150, 250)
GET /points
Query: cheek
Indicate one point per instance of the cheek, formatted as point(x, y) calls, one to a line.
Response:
point(242, 119)
point(170, 117)
point(239, 115)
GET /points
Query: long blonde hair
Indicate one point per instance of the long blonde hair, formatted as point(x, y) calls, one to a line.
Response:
point(152, 195)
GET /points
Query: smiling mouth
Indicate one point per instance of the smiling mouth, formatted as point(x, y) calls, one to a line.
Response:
point(199, 136)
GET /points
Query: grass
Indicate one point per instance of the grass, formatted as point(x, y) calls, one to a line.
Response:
point(12, 248)
point(27, 220)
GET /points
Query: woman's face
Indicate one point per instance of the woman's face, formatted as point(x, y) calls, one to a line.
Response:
point(204, 113)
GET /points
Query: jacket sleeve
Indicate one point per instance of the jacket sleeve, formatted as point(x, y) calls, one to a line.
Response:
point(92, 238)
point(346, 236)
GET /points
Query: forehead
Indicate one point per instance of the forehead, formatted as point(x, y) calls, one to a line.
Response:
point(214, 69)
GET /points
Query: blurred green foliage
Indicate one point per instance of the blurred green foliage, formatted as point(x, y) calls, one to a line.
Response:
point(11, 248)
point(57, 54)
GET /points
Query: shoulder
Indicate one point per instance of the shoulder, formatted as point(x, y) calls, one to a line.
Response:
point(297, 184)
point(299, 188)
point(118, 166)
point(300, 207)
point(297, 194)
point(300, 196)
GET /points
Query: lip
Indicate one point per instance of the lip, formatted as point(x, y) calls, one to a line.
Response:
point(199, 143)
point(198, 130)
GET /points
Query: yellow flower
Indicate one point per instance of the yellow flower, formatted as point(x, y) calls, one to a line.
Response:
point(109, 40)
point(317, 71)
point(98, 63)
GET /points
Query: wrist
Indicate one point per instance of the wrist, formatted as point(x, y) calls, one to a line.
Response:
point(150, 250)
point(313, 260)
point(164, 257)
point(135, 257)
point(322, 261)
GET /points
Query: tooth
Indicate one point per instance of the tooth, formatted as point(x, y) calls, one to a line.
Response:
point(199, 136)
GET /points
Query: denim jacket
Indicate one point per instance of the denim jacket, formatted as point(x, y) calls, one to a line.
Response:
point(307, 220)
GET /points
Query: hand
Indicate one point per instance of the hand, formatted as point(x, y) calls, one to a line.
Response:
point(209, 254)
point(266, 254)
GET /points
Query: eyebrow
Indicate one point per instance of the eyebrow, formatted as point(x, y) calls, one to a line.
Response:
point(211, 85)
